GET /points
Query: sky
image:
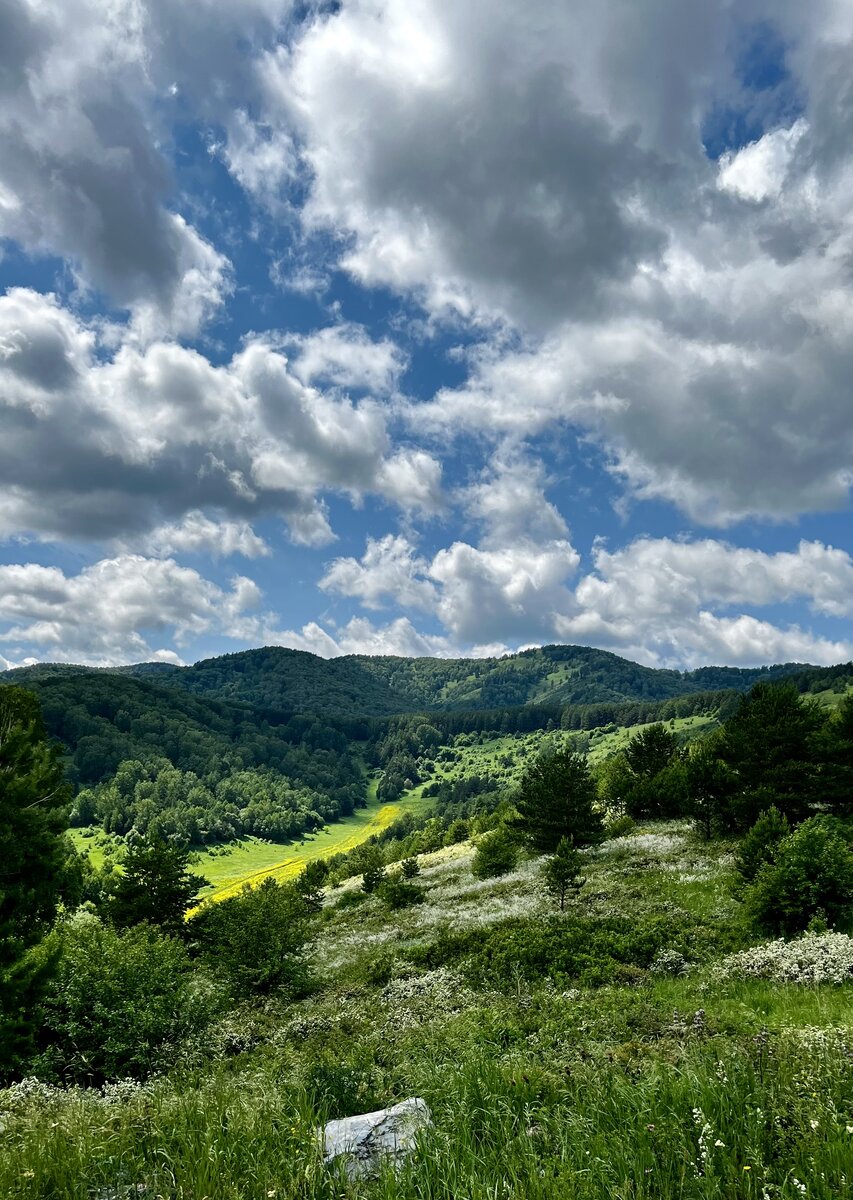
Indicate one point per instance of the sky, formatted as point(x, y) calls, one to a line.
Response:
point(426, 328)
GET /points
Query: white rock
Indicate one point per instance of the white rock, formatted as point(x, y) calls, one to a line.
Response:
point(370, 1138)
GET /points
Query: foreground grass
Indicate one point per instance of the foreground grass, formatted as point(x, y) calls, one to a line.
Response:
point(653, 1088)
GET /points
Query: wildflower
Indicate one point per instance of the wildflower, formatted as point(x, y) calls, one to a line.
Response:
point(747, 1168)
point(718, 1142)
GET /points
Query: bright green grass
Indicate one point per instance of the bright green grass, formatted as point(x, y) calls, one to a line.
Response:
point(252, 860)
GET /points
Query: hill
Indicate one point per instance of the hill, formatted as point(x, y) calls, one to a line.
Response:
point(277, 679)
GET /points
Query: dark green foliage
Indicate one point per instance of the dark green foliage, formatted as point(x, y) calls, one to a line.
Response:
point(373, 869)
point(310, 884)
point(558, 800)
point(156, 886)
point(771, 745)
point(34, 858)
point(411, 868)
point(257, 939)
point(561, 874)
point(650, 751)
point(496, 854)
point(760, 844)
point(710, 783)
point(811, 875)
point(398, 892)
point(118, 1005)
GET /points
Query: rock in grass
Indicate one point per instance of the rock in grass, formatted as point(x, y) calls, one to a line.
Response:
point(366, 1141)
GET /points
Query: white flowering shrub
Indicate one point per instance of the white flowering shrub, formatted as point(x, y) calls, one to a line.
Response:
point(668, 962)
point(813, 958)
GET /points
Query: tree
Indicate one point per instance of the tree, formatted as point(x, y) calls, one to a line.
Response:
point(710, 783)
point(810, 876)
point(496, 853)
point(373, 869)
point(558, 800)
point(398, 892)
point(257, 938)
point(760, 844)
point(118, 1004)
point(34, 807)
point(649, 751)
point(410, 868)
point(771, 746)
point(310, 884)
point(561, 873)
point(155, 886)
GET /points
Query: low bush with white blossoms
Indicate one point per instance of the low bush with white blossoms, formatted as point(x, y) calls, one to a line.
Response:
point(813, 958)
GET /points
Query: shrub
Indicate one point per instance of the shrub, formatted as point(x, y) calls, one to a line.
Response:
point(760, 843)
point(397, 892)
point(410, 868)
point(257, 939)
point(561, 873)
point(373, 869)
point(119, 1003)
point(620, 827)
point(813, 958)
point(496, 853)
point(812, 874)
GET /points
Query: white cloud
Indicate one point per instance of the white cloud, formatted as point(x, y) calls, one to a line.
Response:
point(662, 602)
point(360, 636)
point(757, 171)
point(113, 447)
point(107, 613)
point(347, 357)
point(198, 534)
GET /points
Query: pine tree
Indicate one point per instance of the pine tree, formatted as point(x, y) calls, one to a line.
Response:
point(34, 806)
point(374, 869)
point(561, 873)
point(557, 800)
point(155, 886)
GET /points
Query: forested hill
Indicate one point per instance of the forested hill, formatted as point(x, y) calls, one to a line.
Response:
point(288, 681)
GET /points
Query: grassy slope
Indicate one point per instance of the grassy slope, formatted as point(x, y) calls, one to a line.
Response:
point(658, 1088)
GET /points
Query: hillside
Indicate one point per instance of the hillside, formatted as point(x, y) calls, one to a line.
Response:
point(275, 678)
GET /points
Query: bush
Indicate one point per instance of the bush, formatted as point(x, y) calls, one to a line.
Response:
point(813, 958)
point(257, 939)
point(620, 827)
point(397, 892)
point(373, 869)
point(410, 868)
point(119, 1004)
point(496, 853)
point(811, 875)
point(761, 842)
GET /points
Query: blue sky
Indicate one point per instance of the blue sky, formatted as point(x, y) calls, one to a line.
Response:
point(418, 328)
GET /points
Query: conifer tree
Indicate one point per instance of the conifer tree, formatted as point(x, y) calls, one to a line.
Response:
point(156, 886)
point(34, 806)
point(558, 800)
point(561, 873)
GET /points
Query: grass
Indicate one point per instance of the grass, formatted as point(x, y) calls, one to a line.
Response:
point(656, 1088)
point(251, 860)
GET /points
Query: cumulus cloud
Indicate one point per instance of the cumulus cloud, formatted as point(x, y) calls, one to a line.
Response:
point(663, 602)
point(544, 168)
point(360, 636)
point(346, 356)
point(198, 534)
point(114, 447)
point(109, 612)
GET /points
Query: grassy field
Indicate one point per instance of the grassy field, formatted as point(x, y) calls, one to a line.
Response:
point(594, 1075)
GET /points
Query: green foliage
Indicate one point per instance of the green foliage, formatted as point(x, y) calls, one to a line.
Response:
point(119, 1004)
point(34, 801)
point(811, 875)
point(310, 884)
point(711, 784)
point(558, 800)
point(650, 751)
point(496, 854)
point(373, 869)
point(771, 745)
point(257, 939)
point(156, 886)
point(411, 867)
point(760, 844)
point(398, 892)
point(561, 874)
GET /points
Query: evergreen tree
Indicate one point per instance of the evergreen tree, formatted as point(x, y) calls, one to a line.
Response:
point(558, 800)
point(34, 806)
point(410, 867)
point(310, 884)
point(811, 876)
point(373, 871)
point(155, 886)
point(650, 751)
point(760, 844)
point(561, 873)
point(771, 745)
point(710, 784)
point(496, 853)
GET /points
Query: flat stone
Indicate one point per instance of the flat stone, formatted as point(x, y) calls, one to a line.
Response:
point(367, 1140)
